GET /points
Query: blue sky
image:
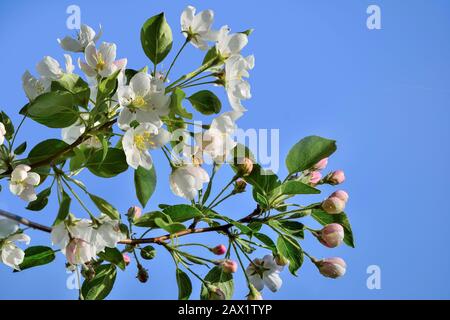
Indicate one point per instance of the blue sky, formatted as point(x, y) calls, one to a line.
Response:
point(382, 94)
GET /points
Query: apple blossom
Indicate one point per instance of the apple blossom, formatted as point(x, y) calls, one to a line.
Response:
point(265, 271)
point(244, 166)
point(2, 133)
point(23, 182)
point(315, 177)
point(322, 164)
point(187, 180)
point(197, 27)
point(85, 36)
point(332, 267)
point(71, 134)
point(143, 100)
point(126, 259)
point(134, 213)
point(336, 177)
point(333, 205)
point(236, 69)
point(219, 250)
point(332, 235)
point(108, 233)
point(102, 61)
point(229, 44)
point(341, 194)
point(11, 254)
point(136, 143)
point(229, 266)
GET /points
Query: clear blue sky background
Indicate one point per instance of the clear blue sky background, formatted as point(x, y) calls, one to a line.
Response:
point(383, 95)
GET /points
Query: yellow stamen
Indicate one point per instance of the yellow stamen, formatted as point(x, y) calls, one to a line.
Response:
point(100, 61)
point(138, 102)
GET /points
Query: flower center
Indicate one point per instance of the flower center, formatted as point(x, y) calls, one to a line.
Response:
point(100, 61)
point(138, 102)
point(143, 141)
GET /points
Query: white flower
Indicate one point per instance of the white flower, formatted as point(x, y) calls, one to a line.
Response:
point(84, 37)
point(265, 272)
point(71, 134)
point(75, 240)
point(108, 234)
point(11, 255)
point(217, 141)
point(197, 26)
point(49, 70)
point(23, 182)
point(136, 143)
point(236, 68)
point(102, 61)
point(7, 227)
point(143, 100)
point(2, 133)
point(230, 44)
point(185, 181)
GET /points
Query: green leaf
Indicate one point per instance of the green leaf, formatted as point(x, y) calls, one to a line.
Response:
point(176, 100)
point(289, 248)
point(297, 187)
point(212, 54)
point(182, 212)
point(205, 102)
point(37, 256)
point(184, 285)
point(20, 149)
point(64, 209)
point(145, 183)
point(55, 109)
point(114, 256)
point(46, 149)
point(220, 279)
point(156, 38)
point(75, 85)
point(9, 126)
point(78, 160)
point(41, 201)
point(147, 220)
point(325, 218)
point(266, 240)
point(294, 228)
point(308, 152)
point(104, 207)
point(107, 86)
point(114, 163)
point(169, 227)
point(101, 285)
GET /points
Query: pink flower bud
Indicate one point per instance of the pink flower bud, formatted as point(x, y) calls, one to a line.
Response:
point(127, 259)
point(336, 177)
point(322, 164)
point(341, 194)
point(332, 235)
point(314, 177)
point(134, 212)
point(219, 250)
point(333, 205)
point(78, 251)
point(245, 167)
point(332, 267)
point(229, 266)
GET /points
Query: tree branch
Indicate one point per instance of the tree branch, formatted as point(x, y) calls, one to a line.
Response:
point(157, 240)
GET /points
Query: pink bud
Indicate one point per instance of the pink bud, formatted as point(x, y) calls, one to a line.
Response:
point(134, 212)
point(219, 250)
point(127, 259)
point(314, 177)
point(229, 266)
point(332, 235)
point(332, 267)
point(77, 251)
point(336, 177)
point(333, 205)
point(341, 194)
point(322, 164)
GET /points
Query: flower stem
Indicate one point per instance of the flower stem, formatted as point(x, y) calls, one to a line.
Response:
point(176, 57)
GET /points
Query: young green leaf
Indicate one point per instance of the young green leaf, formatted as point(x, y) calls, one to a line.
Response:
point(224, 281)
point(182, 212)
point(113, 164)
point(289, 248)
point(114, 256)
point(41, 201)
point(47, 148)
point(75, 85)
point(169, 227)
point(9, 126)
point(37, 256)
point(205, 102)
point(145, 184)
point(20, 149)
point(184, 285)
point(176, 107)
point(105, 207)
point(307, 152)
point(64, 209)
point(101, 285)
point(156, 38)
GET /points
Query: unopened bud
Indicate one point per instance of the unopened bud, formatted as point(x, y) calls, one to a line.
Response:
point(315, 177)
point(341, 194)
point(336, 177)
point(332, 267)
point(333, 205)
point(239, 186)
point(254, 294)
point(219, 250)
point(322, 164)
point(332, 235)
point(142, 274)
point(245, 167)
point(229, 266)
point(134, 213)
point(127, 259)
point(148, 253)
point(281, 260)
